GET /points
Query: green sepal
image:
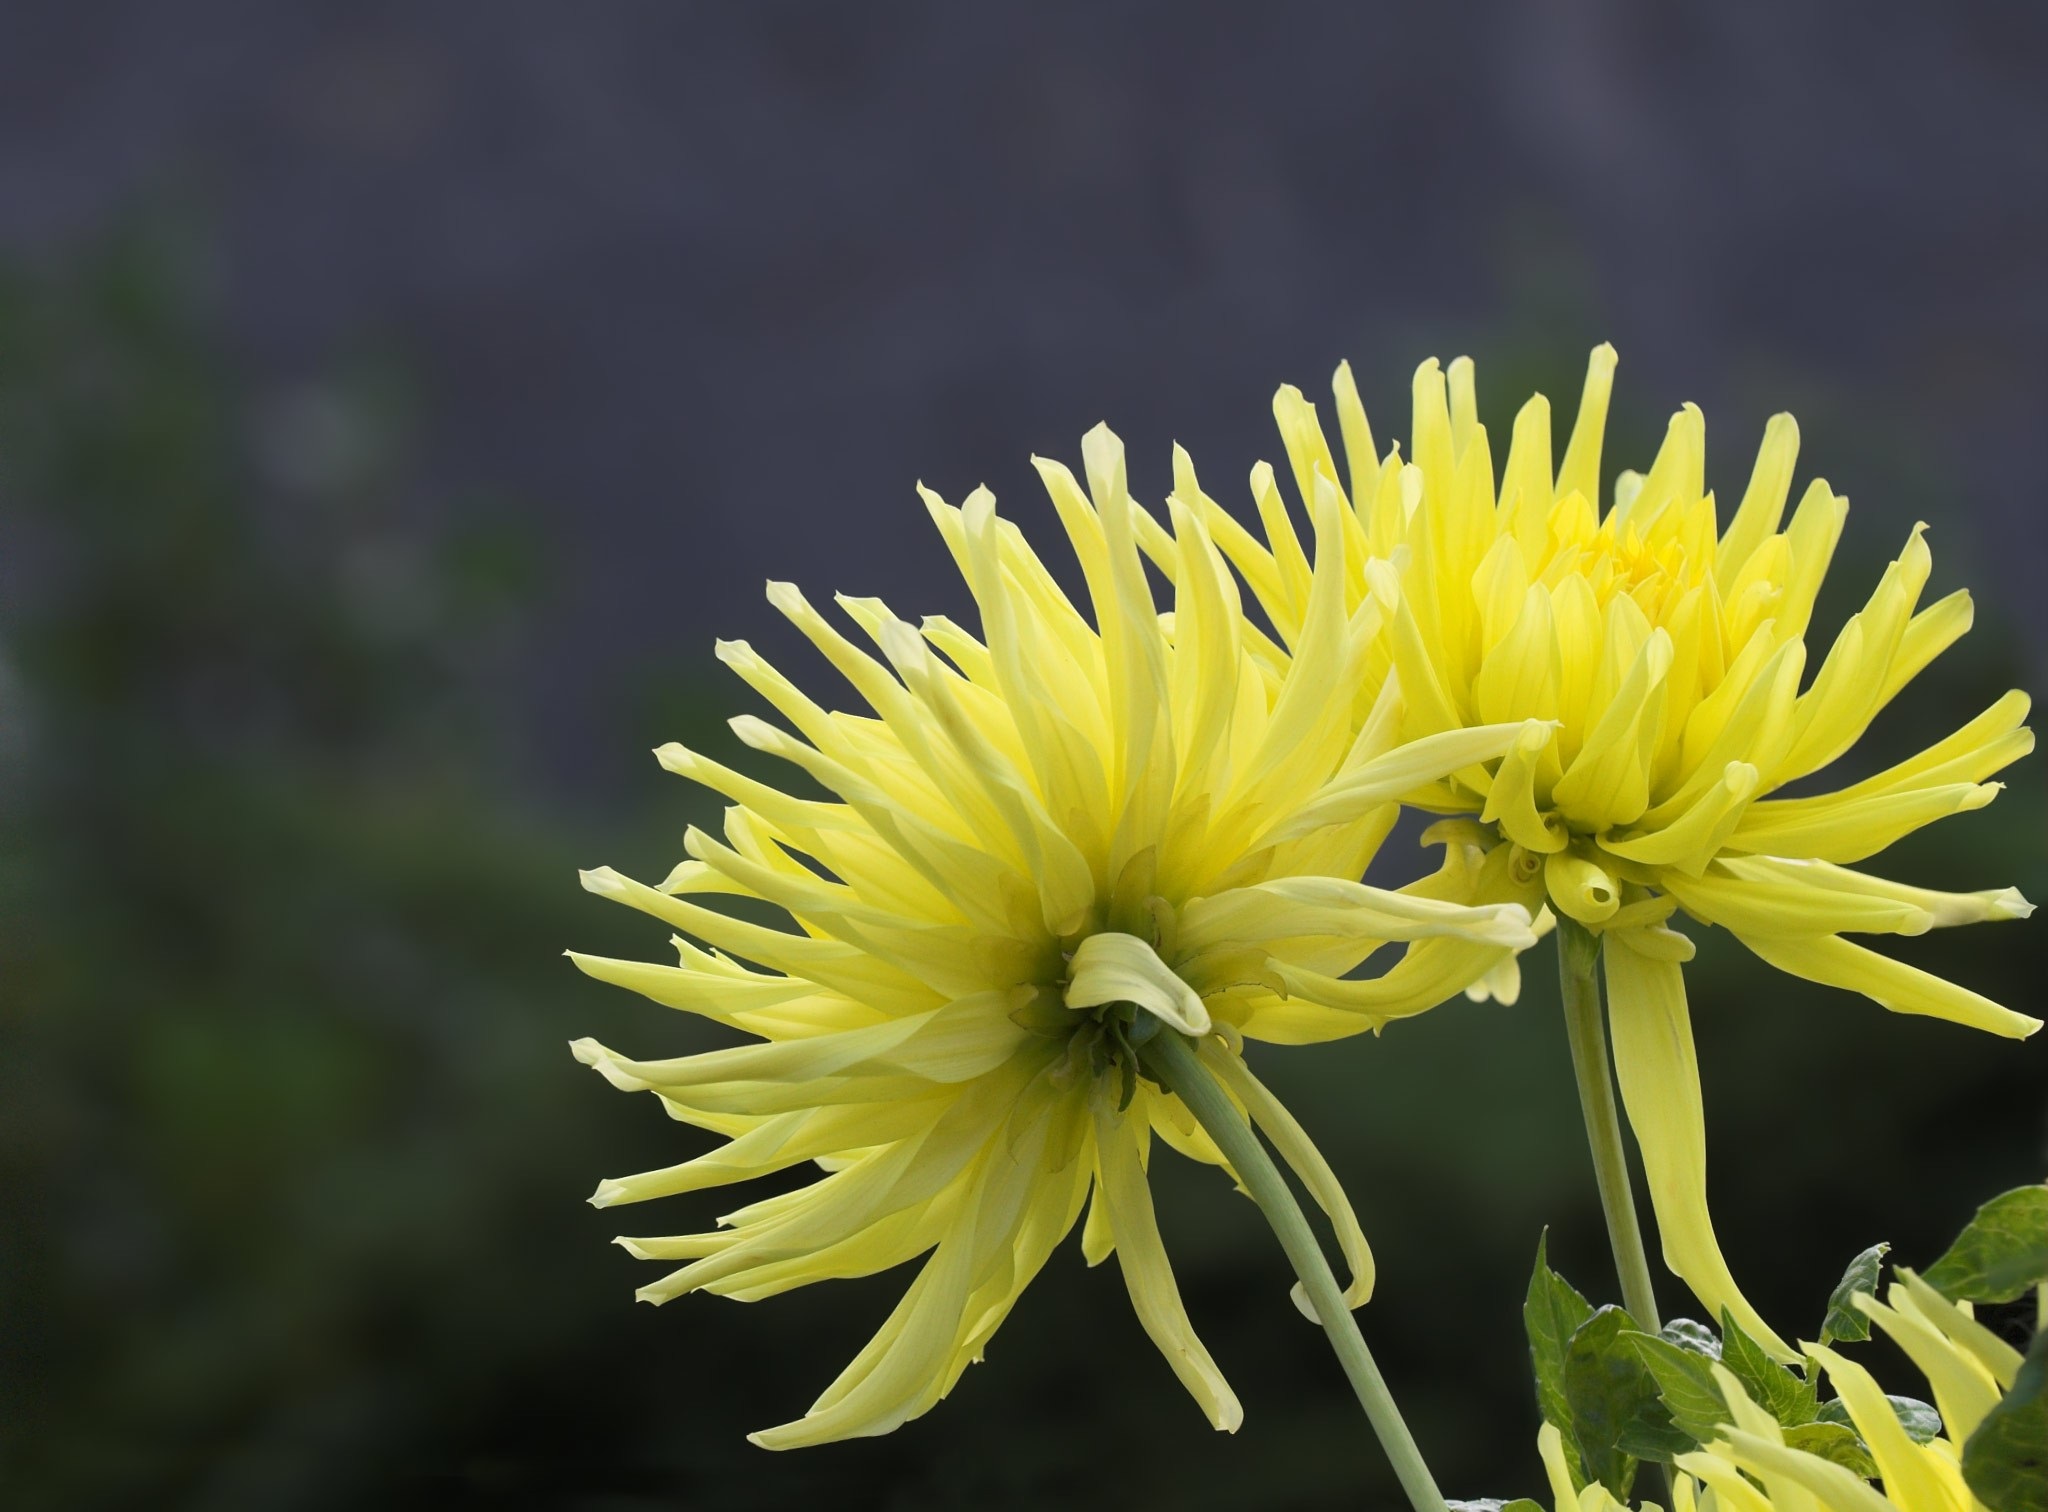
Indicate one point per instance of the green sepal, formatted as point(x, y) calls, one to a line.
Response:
point(2000, 1253)
point(1785, 1395)
point(1551, 1314)
point(1835, 1443)
point(1921, 1422)
point(2005, 1461)
point(1845, 1321)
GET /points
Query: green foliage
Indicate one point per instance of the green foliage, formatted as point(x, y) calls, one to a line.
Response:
point(2005, 1461)
point(1551, 1315)
point(1784, 1393)
point(1685, 1380)
point(1845, 1321)
point(2000, 1254)
point(1616, 1416)
point(1619, 1396)
point(1921, 1422)
point(1691, 1335)
point(1835, 1443)
point(1592, 1384)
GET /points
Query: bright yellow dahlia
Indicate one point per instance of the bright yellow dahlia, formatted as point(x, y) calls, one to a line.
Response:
point(1041, 847)
point(1751, 1468)
point(1660, 661)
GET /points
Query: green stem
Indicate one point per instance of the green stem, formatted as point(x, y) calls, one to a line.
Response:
point(1578, 960)
point(1171, 1058)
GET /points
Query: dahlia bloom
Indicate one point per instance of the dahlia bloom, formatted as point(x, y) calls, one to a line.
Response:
point(1751, 1468)
point(1041, 847)
point(1655, 659)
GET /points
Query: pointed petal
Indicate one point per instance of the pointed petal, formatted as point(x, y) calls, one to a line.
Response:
point(1126, 1198)
point(1660, 1086)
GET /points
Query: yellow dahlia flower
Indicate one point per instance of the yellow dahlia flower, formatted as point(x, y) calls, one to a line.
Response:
point(1042, 846)
point(1659, 661)
point(1751, 1468)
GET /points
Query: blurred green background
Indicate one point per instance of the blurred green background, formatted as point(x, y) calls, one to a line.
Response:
point(292, 1154)
point(395, 401)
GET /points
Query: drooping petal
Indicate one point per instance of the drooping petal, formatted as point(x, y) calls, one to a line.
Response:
point(1306, 1161)
point(1660, 1087)
point(1126, 1200)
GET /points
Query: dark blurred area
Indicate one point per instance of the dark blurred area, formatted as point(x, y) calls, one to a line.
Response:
point(395, 401)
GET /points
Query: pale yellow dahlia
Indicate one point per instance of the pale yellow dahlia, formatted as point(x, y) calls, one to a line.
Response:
point(1660, 661)
point(1042, 846)
point(1750, 1467)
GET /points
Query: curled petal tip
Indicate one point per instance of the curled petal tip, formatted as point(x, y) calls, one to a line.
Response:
point(602, 880)
point(2010, 903)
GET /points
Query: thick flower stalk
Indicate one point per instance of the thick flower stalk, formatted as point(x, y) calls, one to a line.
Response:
point(1042, 847)
point(1658, 662)
point(1749, 1466)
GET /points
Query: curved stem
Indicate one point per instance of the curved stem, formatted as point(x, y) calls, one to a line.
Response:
point(1171, 1058)
point(1578, 960)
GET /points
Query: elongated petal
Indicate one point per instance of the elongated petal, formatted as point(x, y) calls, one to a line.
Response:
point(1307, 1162)
point(1964, 1390)
point(1299, 907)
point(1909, 1476)
point(1389, 778)
point(1127, 1203)
point(1998, 1358)
point(1837, 1489)
point(1893, 984)
point(1856, 828)
point(1943, 909)
point(1660, 1086)
point(1778, 904)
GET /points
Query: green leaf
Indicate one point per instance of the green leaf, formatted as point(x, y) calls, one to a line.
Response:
point(1685, 1380)
point(1845, 1321)
point(1789, 1398)
point(1494, 1504)
point(1651, 1435)
point(1921, 1422)
point(1608, 1389)
point(1834, 1443)
point(1551, 1314)
point(2000, 1253)
point(2006, 1459)
point(1697, 1337)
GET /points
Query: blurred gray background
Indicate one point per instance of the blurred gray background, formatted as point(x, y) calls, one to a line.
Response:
point(396, 400)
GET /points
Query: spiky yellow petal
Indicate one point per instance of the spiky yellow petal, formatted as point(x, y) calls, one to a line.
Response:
point(1658, 663)
point(1038, 845)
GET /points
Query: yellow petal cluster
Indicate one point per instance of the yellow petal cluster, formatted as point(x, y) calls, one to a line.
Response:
point(1039, 846)
point(1750, 1468)
point(1657, 660)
